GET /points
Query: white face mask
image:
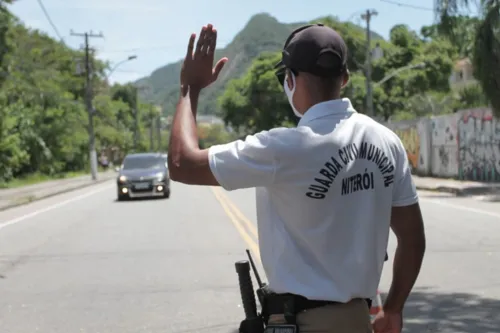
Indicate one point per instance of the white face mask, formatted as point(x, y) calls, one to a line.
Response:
point(289, 93)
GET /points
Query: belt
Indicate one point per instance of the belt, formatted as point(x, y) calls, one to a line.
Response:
point(276, 303)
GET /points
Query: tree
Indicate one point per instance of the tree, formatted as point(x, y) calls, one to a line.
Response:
point(486, 47)
point(43, 121)
point(256, 101)
point(407, 49)
point(214, 134)
point(461, 35)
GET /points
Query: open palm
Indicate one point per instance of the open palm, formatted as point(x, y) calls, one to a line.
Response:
point(197, 70)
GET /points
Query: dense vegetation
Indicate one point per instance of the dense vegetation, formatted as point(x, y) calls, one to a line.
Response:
point(483, 42)
point(410, 80)
point(43, 121)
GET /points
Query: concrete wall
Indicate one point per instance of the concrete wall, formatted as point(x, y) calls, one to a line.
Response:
point(464, 145)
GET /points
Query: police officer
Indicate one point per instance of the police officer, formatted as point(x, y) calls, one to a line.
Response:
point(327, 191)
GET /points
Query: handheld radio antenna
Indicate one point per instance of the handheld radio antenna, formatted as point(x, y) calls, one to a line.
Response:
point(257, 277)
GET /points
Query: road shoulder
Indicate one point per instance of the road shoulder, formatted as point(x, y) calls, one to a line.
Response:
point(10, 198)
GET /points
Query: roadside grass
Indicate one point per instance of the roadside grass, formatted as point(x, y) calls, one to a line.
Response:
point(37, 178)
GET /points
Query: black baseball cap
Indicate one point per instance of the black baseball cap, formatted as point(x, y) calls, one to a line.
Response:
point(315, 49)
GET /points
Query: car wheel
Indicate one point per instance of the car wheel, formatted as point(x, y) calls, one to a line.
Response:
point(166, 193)
point(122, 197)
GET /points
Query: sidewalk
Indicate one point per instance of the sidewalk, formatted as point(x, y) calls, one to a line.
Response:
point(457, 187)
point(21, 195)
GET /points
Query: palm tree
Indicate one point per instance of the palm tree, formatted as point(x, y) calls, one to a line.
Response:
point(486, 47)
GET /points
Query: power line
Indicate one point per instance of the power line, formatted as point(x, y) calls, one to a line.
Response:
point(401, 4)
point(47, 16)
point(463, 11)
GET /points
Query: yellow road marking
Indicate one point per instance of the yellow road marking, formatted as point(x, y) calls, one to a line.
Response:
point(251, 226)
point(225, 203)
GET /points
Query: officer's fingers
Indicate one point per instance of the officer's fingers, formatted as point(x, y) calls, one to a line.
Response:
point(190, 47)
point(212, 43)
point(201, 40)
point(208, 39)
point(218, 67)
point(381, 325)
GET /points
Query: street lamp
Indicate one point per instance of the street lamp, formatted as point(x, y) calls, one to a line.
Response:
point(387, 78)
point(399, 70)
point(132, 57)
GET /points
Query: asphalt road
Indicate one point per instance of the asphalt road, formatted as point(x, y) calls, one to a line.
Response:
point(81, 262)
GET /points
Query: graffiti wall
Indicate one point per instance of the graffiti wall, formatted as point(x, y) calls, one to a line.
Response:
point(413, 136)
point(444, 148)
point(478, 146)
point(464, 145)
point(411, 140)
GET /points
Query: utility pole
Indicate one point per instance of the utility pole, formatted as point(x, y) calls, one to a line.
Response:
point(158, 129)
point(368, 67)
point(136, 119)
point(138, 89)
point(151, 128)
point(88, 98)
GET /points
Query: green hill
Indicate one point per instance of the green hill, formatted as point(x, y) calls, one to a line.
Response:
point(262, 33)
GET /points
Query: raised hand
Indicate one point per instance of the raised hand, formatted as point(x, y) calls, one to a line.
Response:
point(197, 70)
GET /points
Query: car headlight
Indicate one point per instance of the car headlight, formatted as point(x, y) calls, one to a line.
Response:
point(160, 176)
point(122, 179)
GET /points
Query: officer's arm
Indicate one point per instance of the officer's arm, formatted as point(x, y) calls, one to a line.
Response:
point(187, 163)
point(235, 165)
point(407, 224)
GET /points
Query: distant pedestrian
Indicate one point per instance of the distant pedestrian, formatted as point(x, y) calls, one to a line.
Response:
point(104, 161)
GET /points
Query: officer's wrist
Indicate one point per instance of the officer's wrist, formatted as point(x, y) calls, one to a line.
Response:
point(393, 306)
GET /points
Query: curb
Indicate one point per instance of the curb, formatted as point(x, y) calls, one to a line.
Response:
point(32, 198)
point(441, 189)
point(460, 192)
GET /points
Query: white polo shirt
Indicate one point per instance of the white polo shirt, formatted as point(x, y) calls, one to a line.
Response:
point(324, 196)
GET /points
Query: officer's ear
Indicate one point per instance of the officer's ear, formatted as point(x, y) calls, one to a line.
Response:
point(289, 79)
point(345, 78)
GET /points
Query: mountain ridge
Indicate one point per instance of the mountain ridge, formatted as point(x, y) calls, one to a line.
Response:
point(262, 33)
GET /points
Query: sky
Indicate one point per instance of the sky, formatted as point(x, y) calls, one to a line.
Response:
point(157, 31)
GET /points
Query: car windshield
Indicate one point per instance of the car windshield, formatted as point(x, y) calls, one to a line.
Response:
point(148, 162)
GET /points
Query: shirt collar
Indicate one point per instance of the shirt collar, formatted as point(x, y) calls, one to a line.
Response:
point(325, 109)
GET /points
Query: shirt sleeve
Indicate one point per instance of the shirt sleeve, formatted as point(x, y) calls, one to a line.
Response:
point(404, 192)
point(244, 164)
